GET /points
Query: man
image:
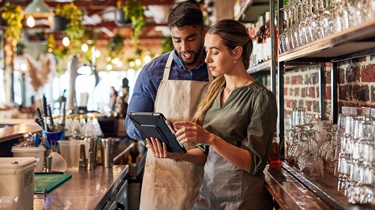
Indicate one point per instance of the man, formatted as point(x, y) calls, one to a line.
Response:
point(172, 84)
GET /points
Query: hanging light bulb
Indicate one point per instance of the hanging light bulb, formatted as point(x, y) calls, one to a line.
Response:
point(147, 59)
point(84, 47)
point(138, 61)
point(66, 41)
point(97, 53)
point(30, 21)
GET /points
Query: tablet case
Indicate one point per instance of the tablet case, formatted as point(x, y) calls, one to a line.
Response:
point(153, 124)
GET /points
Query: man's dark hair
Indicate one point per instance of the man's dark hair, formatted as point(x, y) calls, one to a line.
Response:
point(185, 14)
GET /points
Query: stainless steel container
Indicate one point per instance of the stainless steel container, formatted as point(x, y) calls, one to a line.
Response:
point(107, 152)
point(91, 143)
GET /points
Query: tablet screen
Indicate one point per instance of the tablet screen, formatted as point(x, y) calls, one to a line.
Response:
point(154, 124)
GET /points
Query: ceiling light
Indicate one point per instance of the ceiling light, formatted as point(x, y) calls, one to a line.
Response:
point(37, 8)
point(30, 21)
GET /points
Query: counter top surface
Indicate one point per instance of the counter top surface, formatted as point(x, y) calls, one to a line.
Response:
point(17, 130)
point(85, 190)
point(293, 190)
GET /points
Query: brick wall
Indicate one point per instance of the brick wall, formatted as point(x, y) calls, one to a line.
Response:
point(356, 86)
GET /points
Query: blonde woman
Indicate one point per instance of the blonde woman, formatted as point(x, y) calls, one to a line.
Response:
point(232, 128)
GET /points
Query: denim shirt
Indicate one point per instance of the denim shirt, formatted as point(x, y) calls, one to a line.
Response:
point(148, 82)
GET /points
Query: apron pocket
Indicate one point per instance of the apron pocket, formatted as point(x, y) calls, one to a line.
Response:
point(228, 187)
point(169, 173)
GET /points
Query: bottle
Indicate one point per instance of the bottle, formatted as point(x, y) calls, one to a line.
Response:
point(133, 156)
point(260, 34)
point(82, 122)
point(76, 128)
point(99, 135)
point(267, 38)
point(98, 130)
point(68, 126)
point(90, 128)
point(275, 151)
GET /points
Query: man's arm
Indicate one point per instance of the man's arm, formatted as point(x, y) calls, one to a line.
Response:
point(142, 100)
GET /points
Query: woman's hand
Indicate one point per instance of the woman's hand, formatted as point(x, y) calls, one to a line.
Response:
point(159, 149)
point(192, 132)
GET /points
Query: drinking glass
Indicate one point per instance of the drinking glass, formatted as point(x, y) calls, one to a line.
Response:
point(310, 163)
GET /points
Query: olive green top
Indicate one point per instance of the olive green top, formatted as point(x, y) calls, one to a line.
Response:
point(247, 119)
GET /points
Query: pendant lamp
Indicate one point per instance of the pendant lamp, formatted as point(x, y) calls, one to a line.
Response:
point(38, 9)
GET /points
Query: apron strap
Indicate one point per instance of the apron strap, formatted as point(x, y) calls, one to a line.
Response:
point(167, 69)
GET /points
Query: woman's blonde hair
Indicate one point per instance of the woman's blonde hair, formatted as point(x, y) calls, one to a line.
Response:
point(233, 34)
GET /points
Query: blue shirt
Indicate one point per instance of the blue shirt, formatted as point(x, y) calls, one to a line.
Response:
point(148, 81)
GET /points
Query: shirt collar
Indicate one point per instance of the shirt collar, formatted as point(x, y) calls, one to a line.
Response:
point(181, 64)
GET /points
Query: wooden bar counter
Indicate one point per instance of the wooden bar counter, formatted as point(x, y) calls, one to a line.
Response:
point(293, 190)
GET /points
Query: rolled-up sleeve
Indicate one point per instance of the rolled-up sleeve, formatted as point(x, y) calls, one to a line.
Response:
point(260, 130)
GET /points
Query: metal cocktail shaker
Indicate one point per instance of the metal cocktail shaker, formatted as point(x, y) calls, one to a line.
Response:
point(92, 151)
point(107, 152)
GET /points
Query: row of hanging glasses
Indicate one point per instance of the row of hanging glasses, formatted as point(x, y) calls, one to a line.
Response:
point(345, 150)
point(308, 20)
point(356, 164)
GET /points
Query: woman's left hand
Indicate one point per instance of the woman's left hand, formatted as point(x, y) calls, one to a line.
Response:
point(159, 149)
point(191, 132)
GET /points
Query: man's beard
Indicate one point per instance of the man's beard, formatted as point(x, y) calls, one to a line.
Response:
point(195, 56)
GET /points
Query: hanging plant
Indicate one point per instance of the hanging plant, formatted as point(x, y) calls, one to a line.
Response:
point(167, 44)
point(135, 11)
point(74, 29)
point(115, 45)
point(12, 15)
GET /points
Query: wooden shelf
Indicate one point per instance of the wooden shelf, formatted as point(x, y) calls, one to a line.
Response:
point(352, 40)
point(262, 67)
point(251, 10)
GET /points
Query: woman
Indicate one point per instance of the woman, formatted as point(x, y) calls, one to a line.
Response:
point(234, 126)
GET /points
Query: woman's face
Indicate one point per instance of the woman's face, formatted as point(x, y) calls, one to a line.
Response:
point(219, 58)
point(188, 42)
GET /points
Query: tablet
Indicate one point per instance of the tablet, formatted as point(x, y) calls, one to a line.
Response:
point(154, 124)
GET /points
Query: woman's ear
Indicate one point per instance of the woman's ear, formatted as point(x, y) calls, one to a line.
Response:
point(237, 52)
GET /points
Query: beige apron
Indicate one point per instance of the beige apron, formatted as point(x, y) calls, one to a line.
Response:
point(168, 184)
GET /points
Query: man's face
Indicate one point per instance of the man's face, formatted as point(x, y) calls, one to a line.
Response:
point(188, 42)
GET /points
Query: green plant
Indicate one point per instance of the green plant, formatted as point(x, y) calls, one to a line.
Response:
point(12, 14)
point(134, 10)
point(167, 44)
point(75, 30)
point(115, 45)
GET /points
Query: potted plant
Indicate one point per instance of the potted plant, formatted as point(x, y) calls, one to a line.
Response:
point(74, 28)
point(134, 11)
point(12, 16)
point(120, 18)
